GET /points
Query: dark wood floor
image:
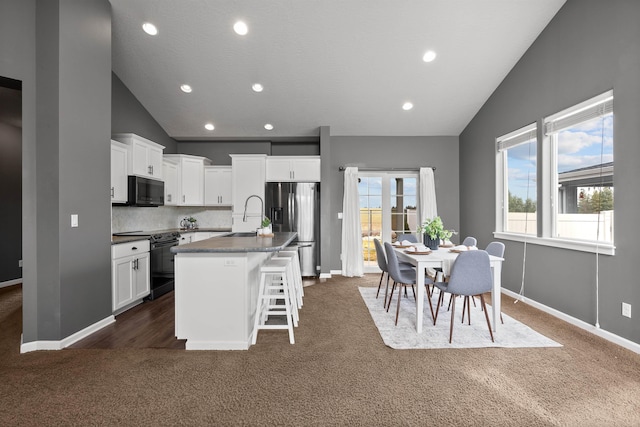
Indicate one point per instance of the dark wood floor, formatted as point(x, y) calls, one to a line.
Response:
point(147, 325)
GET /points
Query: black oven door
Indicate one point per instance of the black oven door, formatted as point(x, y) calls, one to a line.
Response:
point(161, 265)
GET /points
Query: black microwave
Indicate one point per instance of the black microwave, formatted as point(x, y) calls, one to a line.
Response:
point(145, 192)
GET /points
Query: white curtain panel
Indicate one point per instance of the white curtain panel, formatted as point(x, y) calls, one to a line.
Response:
point(352, 262)
point(428, 207)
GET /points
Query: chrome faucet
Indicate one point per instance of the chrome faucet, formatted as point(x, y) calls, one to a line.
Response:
point(244, 216)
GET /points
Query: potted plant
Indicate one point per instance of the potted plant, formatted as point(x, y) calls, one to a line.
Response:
point(266, 226)
point(433, 230)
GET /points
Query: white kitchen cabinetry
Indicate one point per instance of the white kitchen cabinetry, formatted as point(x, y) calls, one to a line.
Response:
point(130, 279)
point(170, 174)
point(217, 186)
point(186, 238)
point(145, 156)
point(119, 156)
point(293, 168)
point(247, 179)
point(190, 189)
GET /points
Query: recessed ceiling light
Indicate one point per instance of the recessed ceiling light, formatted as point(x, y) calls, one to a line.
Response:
point(257, 87)
point(407, 106)
point(240, 28)
point(209, 126)
point(149, 28)
point(268, 126)
point(429, 56)
point(186, 88)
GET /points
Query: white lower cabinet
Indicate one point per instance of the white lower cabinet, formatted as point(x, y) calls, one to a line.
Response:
point(186, 238)
point(130, 279)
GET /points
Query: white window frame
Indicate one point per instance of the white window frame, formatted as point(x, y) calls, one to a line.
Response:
point(504, 142)
point(546, 204)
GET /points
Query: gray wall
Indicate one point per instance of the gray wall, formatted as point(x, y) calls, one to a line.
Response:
point(391, 152)
point(589, 47)
point(10, 181)
point(128, 115)
point(218, 151)
point(66, 132)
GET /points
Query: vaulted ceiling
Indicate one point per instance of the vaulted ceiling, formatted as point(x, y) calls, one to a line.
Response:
point(347, 64)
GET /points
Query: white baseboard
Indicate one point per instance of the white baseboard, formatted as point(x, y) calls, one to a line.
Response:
point(336, 272)
point(325, 275)
point(59, 345)
point(616, 339)
point(10, 283)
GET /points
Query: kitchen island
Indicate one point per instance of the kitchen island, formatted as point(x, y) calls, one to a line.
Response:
point(216, 288)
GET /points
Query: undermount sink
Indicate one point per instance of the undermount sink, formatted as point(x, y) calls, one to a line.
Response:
point(241, 234)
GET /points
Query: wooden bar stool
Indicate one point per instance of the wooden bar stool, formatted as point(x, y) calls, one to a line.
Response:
point(295, 298)
point(274, 286)
point(295, 271)
point(296, 265)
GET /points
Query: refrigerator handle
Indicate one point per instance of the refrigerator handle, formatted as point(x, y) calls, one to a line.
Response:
point(292, 212)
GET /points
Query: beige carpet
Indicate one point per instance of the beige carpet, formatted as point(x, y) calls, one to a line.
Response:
point(403, 335)
point(338, 373)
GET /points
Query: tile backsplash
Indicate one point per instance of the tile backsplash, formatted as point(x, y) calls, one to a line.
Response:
point(127, 218)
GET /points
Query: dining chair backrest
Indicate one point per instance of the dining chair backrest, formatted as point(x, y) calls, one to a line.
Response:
point(380, 256)
point(398, 275)
point(408, 237)
point(495, 249)
point(469, 241)
point(471, 274)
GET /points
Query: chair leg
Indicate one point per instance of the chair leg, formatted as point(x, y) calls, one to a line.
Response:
point(433, 317)
point(414, 292)
point(453, 314)
point(466, 305)
point(393, 288)
point(440, 298)
point(399, 300)
point(379, 284)
point(386, 291)
point(486, 315)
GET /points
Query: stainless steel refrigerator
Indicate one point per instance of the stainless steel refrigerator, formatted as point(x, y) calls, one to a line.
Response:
point(295, 206)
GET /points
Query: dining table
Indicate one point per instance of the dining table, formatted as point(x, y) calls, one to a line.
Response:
point(444, 258)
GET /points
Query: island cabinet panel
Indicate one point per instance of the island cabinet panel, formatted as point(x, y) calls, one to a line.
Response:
point(216, 297)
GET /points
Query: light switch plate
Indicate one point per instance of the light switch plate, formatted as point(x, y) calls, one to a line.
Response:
point(626, 309)
point(74, 220)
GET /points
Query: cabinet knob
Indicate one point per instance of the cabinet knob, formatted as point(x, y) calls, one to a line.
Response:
point(135, 248)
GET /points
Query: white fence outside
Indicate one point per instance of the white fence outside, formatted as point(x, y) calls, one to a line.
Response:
point(570, 226)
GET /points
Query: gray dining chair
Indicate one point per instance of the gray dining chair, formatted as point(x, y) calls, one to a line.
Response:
point(382, 264)
point(402, 278)
point(408, 237)
point(470, 241)
point(470, 276)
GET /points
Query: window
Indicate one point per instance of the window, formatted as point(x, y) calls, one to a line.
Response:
point(581, 185)
point(517, 191)
point(388, 207)
point(575, 163)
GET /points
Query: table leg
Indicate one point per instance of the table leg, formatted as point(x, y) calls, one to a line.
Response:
point(420, 296)
point(496, 295)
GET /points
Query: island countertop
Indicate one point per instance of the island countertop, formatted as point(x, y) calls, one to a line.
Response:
point(224, 244)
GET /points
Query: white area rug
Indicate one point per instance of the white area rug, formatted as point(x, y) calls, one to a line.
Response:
point(404, 336)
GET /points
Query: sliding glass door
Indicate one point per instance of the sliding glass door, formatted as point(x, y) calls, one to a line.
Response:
point(388, 207)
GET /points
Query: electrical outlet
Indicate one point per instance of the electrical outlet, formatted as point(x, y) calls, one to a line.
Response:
point(626, 309)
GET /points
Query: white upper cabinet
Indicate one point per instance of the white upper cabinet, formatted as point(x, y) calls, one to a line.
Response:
point(190, 189)
point(145, 156)
point(293, 169)
point(119, 155)
point(170, 175)
point(217, 186)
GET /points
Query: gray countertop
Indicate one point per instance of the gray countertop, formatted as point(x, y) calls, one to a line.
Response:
point(278, 242)
point(125, 239)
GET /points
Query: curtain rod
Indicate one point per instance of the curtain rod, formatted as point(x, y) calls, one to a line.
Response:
point(365, 169)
